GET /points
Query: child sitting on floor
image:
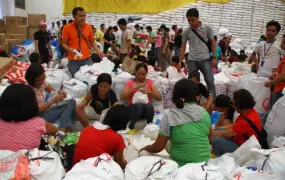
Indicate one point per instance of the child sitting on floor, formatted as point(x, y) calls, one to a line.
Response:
point(35, 58)
point(172, 72)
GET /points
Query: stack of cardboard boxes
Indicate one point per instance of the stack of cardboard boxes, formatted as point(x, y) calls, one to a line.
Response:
point(15, 29)
point(33, 23)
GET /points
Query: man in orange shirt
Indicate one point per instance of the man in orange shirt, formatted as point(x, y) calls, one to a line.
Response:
point(78, 40)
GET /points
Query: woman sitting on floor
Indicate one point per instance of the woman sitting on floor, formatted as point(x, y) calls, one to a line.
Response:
point(224, 105)
point(103, 138)
point(188, 127)
point(60, 113)
point(101, 97)
point(20, 126)
point(145, 86)
point(226, 139)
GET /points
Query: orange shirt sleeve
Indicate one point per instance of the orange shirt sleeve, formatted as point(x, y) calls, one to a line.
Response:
point(65, 33)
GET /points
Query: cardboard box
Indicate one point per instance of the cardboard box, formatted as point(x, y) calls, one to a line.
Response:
point(2, 38)
point(35, 19)
point(22, 37)
point(6, 64)
point(2, 30)
point(17, 30)
point(2, 23)
point(32, 32)
point(16, 21)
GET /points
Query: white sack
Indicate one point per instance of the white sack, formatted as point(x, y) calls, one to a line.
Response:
point(223, 31)
point(46, 169)
point(195, 171)
point(105, 66)
point(166, 93)
point(275, 123)
point(139, 169)
point(226, 164)
point(106, 169)
point(55, 77)
point(242, 173)
point(83, 73)
point(140, 98)
point(151, 131)
point(75, 88)
point(2, 89)
point(119, 84)
point(278, 142)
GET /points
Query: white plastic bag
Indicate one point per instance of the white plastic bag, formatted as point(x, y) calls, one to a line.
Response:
point(75, 88)
point(46, 169)
point(102, 167)
point(166, 93)
point(278, 142)
point(275, 124)
point(2, 89)
point(55, 78)
point(243, 173)
point(140, 98)
point(151, 131)
point(195, 171)
point(225, 163)
point(147, 168)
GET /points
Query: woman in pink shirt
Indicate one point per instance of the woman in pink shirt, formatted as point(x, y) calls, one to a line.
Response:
point(20, 126)
point(146, 86)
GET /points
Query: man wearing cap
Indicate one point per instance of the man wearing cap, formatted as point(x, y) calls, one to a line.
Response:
point(42, 43)
point(78, 40)
point(225, 44)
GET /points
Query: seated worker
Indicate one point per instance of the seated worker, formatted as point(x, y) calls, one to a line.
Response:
point(20, 126)
point(103, 137)
point(95, 58)
point(233, 56)
point(187, 127)
point(152, 61)
point(114, 50)
point(136, 51)
point(146, 86)
point(224, 105)
point(227, 139)
point(101, 97)
point(172, 72)
point(242, 56)
point(202, 91)
point(52, 111)
point(35, 58)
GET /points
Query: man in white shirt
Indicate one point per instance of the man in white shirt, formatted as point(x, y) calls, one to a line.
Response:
point(172, 34)
point(54, 30)
point(127, 35)
point(268, 53)
point(118, 35)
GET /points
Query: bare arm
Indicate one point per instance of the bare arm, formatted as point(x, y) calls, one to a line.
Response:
point(182, 51)
point(87, 99)
point(214, 46)
point(49, 47)
point(126, 93)
point(279, 78)
point(158, 145)
point(209, 102)
point(49, 89)
point(119, 158)
point(37, 46)
point(50, 128)
point(46, 106)
point(155, 94)
point(224, 133)
point(64, 45)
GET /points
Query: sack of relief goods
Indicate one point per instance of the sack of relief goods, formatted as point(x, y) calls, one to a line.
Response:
point(166, 93)
point(140, 98)
point(275, 123)
point(244, 173)
point(119, 84)
point(75, 88)
point(55, 77)
point(102, 167)
point(151, 131)
point(151, 168)
point(204, 170)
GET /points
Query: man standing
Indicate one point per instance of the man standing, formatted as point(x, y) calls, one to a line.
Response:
point(172, 35)
point(198, 34)
point(126, 39)
point(118, 35)
point(42, 43)
point(78, 40)
point(268, 53)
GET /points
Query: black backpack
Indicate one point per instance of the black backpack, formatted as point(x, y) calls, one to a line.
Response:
point(208, 44)
point(262, 136)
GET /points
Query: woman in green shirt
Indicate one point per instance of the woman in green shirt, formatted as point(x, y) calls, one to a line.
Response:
point(151, 35)
point(187, 127)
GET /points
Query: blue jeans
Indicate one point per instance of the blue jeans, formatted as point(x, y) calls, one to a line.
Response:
point(205, 67)
point(62, 114)
point(139, 112)
point(74, 65)
point(177, 51)
point(221, 145)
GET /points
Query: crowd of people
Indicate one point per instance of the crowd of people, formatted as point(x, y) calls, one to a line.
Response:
point(185, 131)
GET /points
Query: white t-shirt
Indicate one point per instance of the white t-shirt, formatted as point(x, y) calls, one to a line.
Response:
point(270, 55)
point(118, 36)
point(171, 33)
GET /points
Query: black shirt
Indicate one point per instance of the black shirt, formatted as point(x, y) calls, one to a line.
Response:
point(110, 38)
point(99, 104)
point(43, 38)
point(178, 41)
point(202, 90)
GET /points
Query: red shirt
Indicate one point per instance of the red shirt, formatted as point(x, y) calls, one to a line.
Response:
point(93, 142)
point(242, 127)
point(280, 86)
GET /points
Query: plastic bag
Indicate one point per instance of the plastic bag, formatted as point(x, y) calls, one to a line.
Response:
point(102, 167)
point(55, 77)
point(151, 168)
point(204, 170)
point(243, 173)
point(166, 93)
point(151, 131)
point(278, 142)
point(14, 167)
point(275, 124)
point(226, 164)
point(75, 88)
point(140, 98)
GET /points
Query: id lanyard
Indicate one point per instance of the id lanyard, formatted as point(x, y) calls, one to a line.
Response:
point(265, 53)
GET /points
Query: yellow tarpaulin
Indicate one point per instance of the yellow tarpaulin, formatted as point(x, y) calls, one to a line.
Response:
point(130, 6)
